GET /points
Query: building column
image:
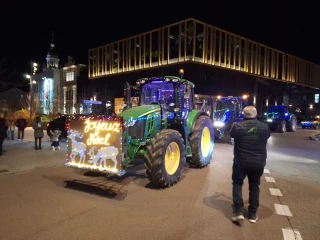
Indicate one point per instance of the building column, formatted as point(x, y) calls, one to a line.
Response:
point(64, 99)
point(74, 99)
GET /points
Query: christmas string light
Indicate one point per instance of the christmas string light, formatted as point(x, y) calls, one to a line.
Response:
point(104, 153)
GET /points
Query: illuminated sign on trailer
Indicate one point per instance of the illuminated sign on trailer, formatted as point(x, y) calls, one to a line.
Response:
point(95, 144)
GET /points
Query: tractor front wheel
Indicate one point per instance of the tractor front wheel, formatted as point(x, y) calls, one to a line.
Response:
point(281, 126)
point(165, 158)
point(202, 143)
point(292, 124)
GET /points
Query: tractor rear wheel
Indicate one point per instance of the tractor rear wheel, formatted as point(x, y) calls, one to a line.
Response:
point(292, 124)
point(202, 143)
point(165, 158)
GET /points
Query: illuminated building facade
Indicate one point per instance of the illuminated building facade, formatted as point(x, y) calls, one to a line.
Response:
point(216, 61)
point(47, 89)
point(71, 73)
point(56, 87)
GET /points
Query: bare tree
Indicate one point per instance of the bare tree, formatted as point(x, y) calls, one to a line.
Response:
point(26, 103)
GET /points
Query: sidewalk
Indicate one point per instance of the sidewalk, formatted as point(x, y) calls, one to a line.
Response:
point(21, 156)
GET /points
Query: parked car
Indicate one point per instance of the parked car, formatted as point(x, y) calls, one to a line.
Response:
point(60, 123)
point(311, 123)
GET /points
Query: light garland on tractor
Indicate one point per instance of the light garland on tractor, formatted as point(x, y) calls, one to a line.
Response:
point(94, 126)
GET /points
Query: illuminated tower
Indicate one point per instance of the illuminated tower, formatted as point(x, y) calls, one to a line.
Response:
point(52, 56)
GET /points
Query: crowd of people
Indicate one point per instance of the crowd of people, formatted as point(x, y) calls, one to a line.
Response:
point(8, 127)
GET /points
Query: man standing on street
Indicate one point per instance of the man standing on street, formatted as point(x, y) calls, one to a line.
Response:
point(250, 154)
point(21, 124)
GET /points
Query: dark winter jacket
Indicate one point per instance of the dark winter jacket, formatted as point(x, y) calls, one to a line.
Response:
point(250, 143)
point(3, 132)
point(21, 123)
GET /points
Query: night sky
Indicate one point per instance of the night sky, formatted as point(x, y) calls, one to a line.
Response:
point(26, 26)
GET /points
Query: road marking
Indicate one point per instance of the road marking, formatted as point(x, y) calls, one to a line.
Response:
point(283, 210)
point(289, 234)
point(275, 192)
point(270, 179)
point(266, 171)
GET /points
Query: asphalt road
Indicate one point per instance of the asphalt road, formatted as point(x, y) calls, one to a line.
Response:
point(41, 199)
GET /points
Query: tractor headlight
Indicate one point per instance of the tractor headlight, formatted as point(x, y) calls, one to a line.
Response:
point(130, 123)
point(218, 124)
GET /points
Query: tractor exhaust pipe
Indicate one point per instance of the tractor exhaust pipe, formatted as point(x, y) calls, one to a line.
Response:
point(127, 96)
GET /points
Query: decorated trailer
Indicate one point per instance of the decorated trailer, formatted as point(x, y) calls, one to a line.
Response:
point(95, 143)
point(165, 130)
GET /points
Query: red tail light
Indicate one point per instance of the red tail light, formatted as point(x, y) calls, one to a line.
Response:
point(48, 124)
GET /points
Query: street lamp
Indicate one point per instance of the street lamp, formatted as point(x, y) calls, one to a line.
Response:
point(33, 70)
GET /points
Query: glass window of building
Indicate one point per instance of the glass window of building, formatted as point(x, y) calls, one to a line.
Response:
point(70, 76)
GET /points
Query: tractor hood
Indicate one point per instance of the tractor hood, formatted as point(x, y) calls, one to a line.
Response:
point(137, 112)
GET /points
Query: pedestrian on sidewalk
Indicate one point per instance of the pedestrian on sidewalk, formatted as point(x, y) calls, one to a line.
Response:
point(250, 154)
point(38, 133)
point(11, 127)
point(21, 124)
point(55, 134)
point(3, 131)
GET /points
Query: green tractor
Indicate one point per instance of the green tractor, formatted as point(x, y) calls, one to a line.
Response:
point(165, 128)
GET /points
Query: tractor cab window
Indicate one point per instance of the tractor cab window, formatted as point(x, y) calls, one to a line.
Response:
point(157, 92)
point(223, 104)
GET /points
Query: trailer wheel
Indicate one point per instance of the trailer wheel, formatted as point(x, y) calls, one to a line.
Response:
point(292, 124)
point(165, 158)
point(202, 143)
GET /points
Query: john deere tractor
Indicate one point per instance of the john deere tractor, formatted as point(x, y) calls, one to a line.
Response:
point(280, 119)
point(165, 128)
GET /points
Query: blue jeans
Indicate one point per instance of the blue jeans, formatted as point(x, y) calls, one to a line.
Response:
point(10, 134)
point(238, 175)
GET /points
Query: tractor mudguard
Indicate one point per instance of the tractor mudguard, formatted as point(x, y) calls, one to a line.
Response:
point(192, 117)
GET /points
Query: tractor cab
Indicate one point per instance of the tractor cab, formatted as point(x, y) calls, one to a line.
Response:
point(173, 94)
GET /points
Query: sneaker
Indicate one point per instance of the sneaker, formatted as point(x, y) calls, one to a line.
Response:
point(58, 148)
point(237, 218)
point(53, 149)
point(253, 219)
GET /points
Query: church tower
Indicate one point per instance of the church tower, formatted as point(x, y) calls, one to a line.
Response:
point(52, 56)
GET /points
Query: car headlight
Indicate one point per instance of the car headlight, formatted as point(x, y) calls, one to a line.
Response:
point(218, 124)
point(130, 123)
point(269, 120)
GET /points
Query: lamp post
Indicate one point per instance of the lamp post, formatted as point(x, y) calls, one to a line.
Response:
point(33, 70)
